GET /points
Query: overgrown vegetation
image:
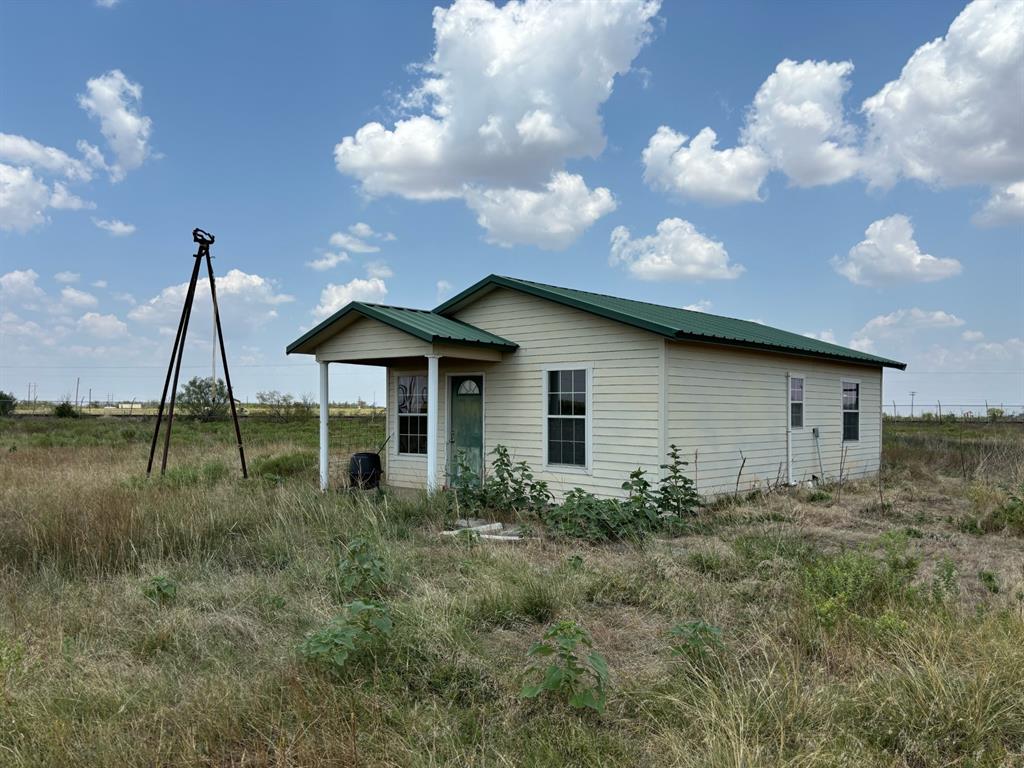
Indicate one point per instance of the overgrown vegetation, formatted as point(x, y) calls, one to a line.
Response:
point(8, 402)
point(569, 667)
point(207, 620)
point(204, 399)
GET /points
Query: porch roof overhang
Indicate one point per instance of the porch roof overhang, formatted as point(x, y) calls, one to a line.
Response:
point(440, 331)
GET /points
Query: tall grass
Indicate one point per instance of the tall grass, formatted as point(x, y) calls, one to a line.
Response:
point(845, 641)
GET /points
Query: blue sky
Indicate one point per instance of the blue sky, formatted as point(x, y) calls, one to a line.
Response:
point(860, 188)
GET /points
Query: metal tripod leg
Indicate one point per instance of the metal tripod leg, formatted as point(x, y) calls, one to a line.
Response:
point(178, 341)
point(224, 361)
point(177, 368)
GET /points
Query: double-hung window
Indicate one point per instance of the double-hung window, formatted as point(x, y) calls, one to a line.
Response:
point(796, 402)
point(851, 410)
point(566, 417)
point(412, 414)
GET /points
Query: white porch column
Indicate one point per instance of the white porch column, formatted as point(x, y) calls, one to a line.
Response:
point(324, 413)
point(432, 385)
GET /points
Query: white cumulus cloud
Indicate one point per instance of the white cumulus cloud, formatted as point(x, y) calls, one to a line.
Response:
point(795, 125)
point(23, 199)
point(115, 101)
point(1005, 206)
point(334, 297)
point(888, 253)
point(20, 286)
point(350, 242)
point(20, 151)
point(241, 297)
point(115, 227)
point(509, 94)
point(797, 120)
point(67, 277)
point(953, 116)
point(550, 218)
point(327, 261)
point(699, 171)
point(677, 251)
point(72, 297)
point(102, 326)
point(900, 325)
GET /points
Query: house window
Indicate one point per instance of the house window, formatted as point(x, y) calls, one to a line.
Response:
point(851, 410)
point(796, 402)
point(567, 417)
point(412, 414)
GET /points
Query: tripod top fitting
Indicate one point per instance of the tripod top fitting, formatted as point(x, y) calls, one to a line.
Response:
point(202, 237)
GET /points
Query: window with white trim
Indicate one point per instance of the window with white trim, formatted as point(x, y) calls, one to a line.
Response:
point(851, 411)
point(567, 417)
point(796, 402)
point(412, 414)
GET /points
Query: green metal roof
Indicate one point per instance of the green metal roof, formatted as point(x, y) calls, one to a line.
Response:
point(421, 323)
point(675, 323)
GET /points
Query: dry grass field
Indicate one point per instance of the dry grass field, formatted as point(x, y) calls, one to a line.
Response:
point(162, 622)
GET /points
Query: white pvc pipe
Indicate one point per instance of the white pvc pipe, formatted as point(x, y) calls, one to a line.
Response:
point(324, 414)
point(789, 430)
point(432, 384)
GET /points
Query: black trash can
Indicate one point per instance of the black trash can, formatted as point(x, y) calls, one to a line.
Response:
point(364, 470)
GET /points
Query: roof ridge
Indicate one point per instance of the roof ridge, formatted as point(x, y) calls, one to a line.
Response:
point(639, 301)
point(395, 306)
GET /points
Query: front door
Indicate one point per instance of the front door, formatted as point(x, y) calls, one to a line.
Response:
point(466, 430)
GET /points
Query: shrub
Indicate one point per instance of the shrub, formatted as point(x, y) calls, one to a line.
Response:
point(583, 681)
point(857, 583)
point(361, 569)
point(160, 590)
point(283, 407)
point(355, 632)
point(640, 502)
point(989, 581)
point(285, 465)
point(584, 516)
point(65, 410)
point(8, 402)
point(204, 400)
point(697, 640)
point(677, 494)
point(509, 488)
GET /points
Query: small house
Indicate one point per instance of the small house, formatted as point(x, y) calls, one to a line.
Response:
point(587, 387)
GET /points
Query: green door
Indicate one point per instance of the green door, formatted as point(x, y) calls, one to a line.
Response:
point(466, 434)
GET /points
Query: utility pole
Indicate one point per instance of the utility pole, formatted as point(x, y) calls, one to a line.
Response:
point(912, 404)
point(77, 382)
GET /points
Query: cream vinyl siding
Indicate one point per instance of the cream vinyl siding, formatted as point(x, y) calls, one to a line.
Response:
point(723, 400)
point(366, 338)
point(625, 367)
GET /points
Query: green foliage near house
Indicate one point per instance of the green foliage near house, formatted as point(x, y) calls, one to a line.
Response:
point(566, 666)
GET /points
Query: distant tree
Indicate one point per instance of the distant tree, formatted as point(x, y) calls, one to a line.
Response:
point(204, 400)
point(8, 402)
point(995, 414)
point(285, 407)
point(65, 410)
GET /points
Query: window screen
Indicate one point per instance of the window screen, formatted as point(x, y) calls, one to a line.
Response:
point(567, 417)
point(412, 414)
point(851, 410)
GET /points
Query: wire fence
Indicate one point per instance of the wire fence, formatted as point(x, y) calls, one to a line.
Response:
point(984, 411)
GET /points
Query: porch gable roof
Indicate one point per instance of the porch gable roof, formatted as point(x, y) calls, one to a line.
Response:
point(420, 323)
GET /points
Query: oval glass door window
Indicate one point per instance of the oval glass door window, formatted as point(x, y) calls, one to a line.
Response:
point(469, 387)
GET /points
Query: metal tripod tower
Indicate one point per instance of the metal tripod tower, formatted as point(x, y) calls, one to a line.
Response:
point(204, 240)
